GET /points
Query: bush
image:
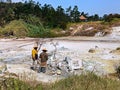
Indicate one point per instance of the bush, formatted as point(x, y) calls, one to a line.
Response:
point(89, 81)
point(14, 84)
point(84, 82)
point(18, 28)
point(15, 28)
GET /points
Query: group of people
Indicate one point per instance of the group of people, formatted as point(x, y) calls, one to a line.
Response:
point(41, 59)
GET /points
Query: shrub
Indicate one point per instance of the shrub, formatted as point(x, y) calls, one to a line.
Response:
point(14, 84)
point(89, 81)
point(15, 28)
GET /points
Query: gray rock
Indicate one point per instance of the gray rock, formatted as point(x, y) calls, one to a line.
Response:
point(91, 50)
point(1, 51)
point(63, 48)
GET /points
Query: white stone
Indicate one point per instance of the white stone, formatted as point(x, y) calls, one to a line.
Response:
point(75, 64)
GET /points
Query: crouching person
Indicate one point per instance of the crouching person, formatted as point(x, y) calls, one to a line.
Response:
point(43, 57)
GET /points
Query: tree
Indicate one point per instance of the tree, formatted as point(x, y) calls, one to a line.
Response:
point(61, 17)
point(108, 18)
point(84, 14)
point(75, 14)
point(9, 14)
point(37, 10)
point(96, 17)
point(68, 10)
point(9, 1)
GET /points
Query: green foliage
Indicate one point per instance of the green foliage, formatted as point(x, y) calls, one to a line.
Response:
point(75, 14)
point(84, 82)
point(37, 31)
point(37, 18)
point(94, 18)
point(49, 16)
point(89, 81)
point(55, 34)
point(14, 84)
point(112, 22)
point(19, 28)
point(15, 28)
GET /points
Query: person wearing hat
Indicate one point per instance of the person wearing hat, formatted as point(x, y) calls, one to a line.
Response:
point(43, 57)
point(34, 54)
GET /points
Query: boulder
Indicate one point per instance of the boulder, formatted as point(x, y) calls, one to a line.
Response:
point(58, 72)
point(92, 50)
point(73, 64)
point(118, 48)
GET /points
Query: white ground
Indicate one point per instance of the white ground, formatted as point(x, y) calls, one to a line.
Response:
point(16, 54)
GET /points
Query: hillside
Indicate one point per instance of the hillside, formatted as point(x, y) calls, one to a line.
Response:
point(46, 21)
point(19, 28)
point(14, 28)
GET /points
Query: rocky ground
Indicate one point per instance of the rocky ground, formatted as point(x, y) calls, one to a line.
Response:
point(97, 54)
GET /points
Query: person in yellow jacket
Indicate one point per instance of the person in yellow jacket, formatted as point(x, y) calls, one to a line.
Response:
point(34, 54)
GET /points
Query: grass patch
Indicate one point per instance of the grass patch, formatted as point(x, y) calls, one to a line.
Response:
point(15, 28)
point(18, 28)
point(112, 23)
point(83, 82)
point(14, 84)
point(37, 31)
point(86, 82)
point(57, 33)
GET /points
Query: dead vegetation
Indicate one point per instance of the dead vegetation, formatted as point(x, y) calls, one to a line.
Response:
point(89, 29)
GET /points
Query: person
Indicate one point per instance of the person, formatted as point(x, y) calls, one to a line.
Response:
point(43, 58)
point(34, 54)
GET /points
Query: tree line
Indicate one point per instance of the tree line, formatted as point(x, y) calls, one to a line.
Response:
point(36, 14)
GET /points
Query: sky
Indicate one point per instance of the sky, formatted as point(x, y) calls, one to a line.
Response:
point(91, 7)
